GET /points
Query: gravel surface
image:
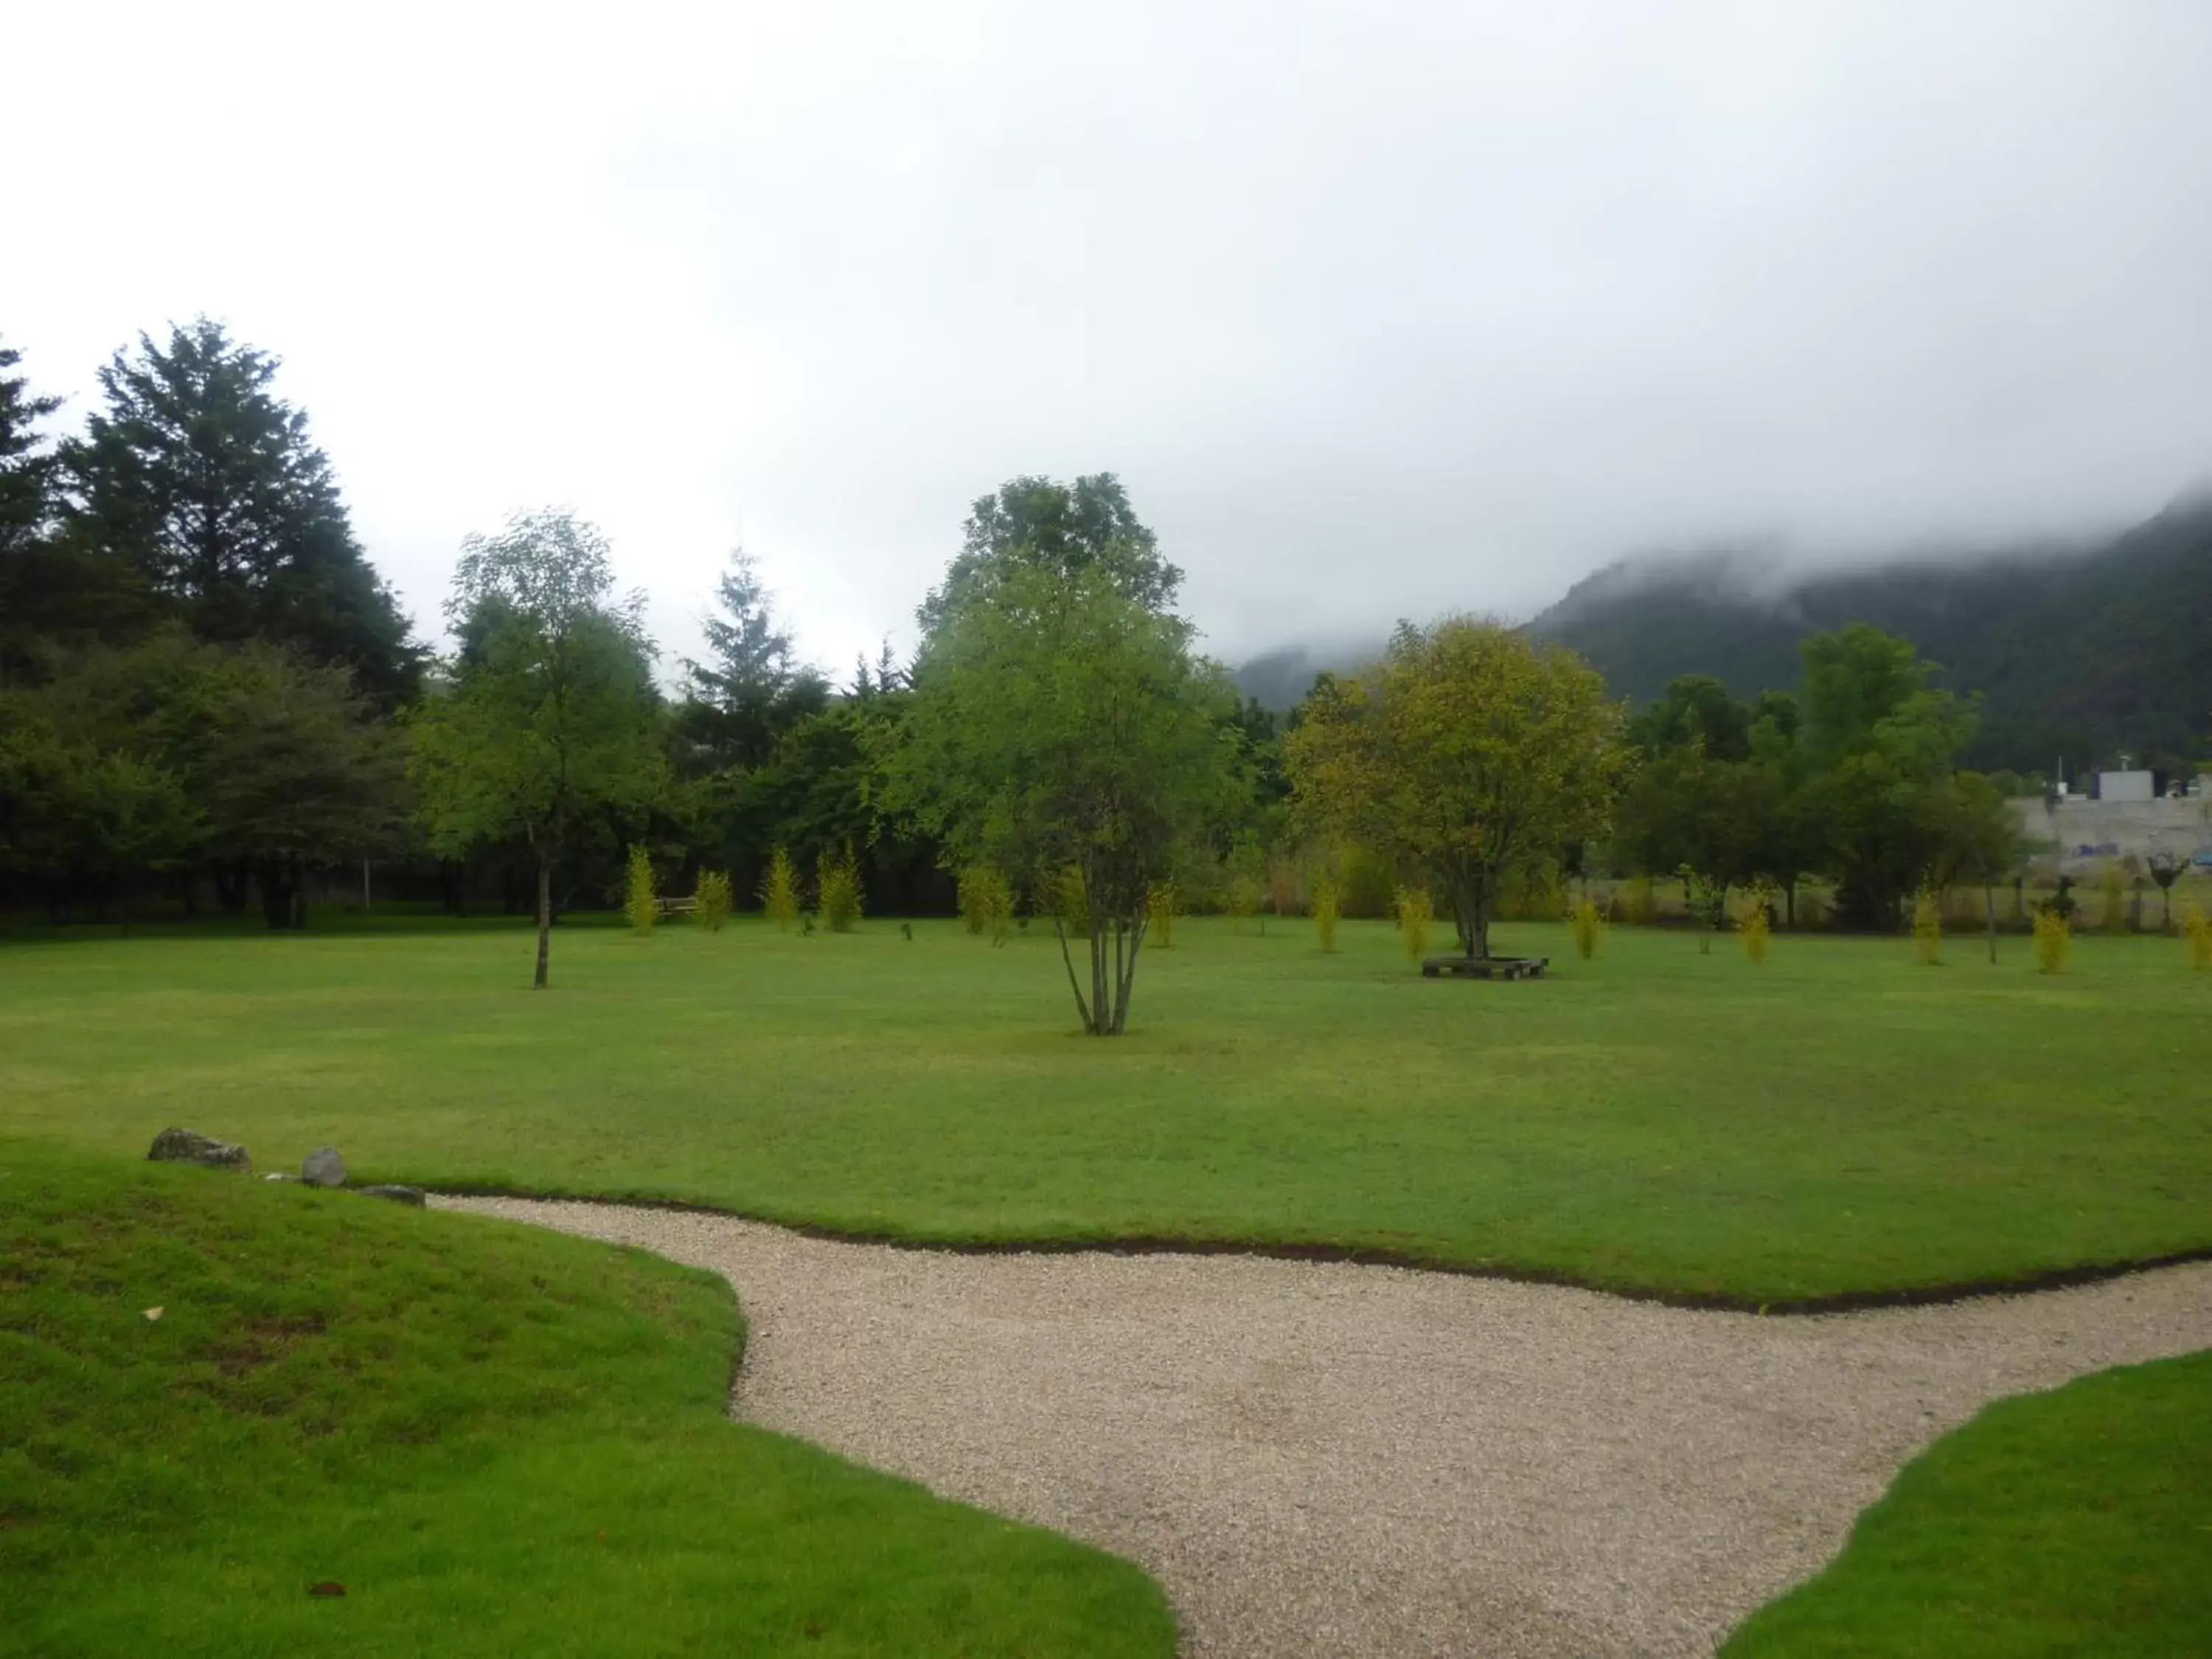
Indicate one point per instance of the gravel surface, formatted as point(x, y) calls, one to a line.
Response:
point(1322, 1459)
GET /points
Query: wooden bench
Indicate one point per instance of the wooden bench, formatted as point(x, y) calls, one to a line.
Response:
point(675, 906)
point(1485, 967)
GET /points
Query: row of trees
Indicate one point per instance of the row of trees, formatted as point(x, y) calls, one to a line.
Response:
point(207, 687)
point(1853, 779)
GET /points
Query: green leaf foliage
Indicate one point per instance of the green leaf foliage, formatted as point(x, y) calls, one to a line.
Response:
point(549, 719)
point(1468, 749)
point(1061, 723)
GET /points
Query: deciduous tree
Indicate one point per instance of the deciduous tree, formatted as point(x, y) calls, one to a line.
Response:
point(286, 766)
point(1067, 529)
point(1469, 748)
point(1059, 722)
point(548, 717)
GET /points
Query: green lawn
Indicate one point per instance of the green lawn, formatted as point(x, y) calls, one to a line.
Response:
point(2075, 1523)
point(1841, 1120)
point(500, 1440)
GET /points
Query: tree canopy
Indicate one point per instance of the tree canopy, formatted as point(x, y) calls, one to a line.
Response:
point(748, 689)
point(1468, 748)
point(27, 505)
point(195, 491)
point(549, 719)
point(1065, 730)
point(1063, 529)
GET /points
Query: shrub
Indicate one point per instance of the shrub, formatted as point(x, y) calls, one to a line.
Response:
point(2054, 939)
point(1928, 927)
point(987, 901)
point(640, 904)
point(970, 900)
point(2112, 891)
point(1415, 913)
point(1323, 898)
point(1160, 912)
point(1586, 924)
point(837, 888)
point(1708, 902)
point(780, 891)
point(711, 901)
point(2197, 929)
point(1283, 885)
point(1756, 926)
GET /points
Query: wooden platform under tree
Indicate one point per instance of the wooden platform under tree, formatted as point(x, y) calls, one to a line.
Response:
point(1460, 967)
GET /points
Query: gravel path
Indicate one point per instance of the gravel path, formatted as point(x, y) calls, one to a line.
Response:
point(1318, 1458)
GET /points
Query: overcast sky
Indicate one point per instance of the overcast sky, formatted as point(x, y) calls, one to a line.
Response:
point(1377, 310)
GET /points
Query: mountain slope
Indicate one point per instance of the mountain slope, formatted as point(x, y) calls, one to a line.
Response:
point(2084, 653)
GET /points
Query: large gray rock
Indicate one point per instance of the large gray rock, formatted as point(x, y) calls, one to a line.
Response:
point(189, 1146)
point(324, 1168)
point(396, 1194)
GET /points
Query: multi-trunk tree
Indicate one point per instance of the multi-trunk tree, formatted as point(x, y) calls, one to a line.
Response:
point(1063, 729)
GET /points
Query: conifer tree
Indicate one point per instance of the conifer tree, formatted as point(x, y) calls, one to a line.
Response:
point(201, 485)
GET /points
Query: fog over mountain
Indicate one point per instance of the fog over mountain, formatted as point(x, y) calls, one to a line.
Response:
point(2077, 651)
point(1376, 312)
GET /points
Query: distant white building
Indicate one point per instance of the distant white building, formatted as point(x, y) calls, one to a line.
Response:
point(2124, 786)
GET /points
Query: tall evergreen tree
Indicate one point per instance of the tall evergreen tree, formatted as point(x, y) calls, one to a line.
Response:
point(26, 467)
point(750, 691)
point(27, 470)
point(204, 485)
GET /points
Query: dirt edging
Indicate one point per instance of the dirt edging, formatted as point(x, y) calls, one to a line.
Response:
point(1915, 1296)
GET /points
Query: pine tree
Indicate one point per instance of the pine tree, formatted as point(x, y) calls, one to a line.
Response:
point(750, 691)
point(26, 467)
point(26, 480)
point(203, 485)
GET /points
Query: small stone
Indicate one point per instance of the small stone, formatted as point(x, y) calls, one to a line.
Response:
point(397, 1195)
point(324, 1168)
point(189, 1146)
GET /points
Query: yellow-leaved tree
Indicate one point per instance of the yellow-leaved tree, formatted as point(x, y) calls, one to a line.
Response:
point(1471, 749)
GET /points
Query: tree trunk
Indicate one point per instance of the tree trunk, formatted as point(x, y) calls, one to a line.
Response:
point(278, 890)
point(545, 919)
point(230, 886)
point(1789, 902)
point(1471, 896)
point(1127, 979)
point(1102, 1009)
point(1082, 1008)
